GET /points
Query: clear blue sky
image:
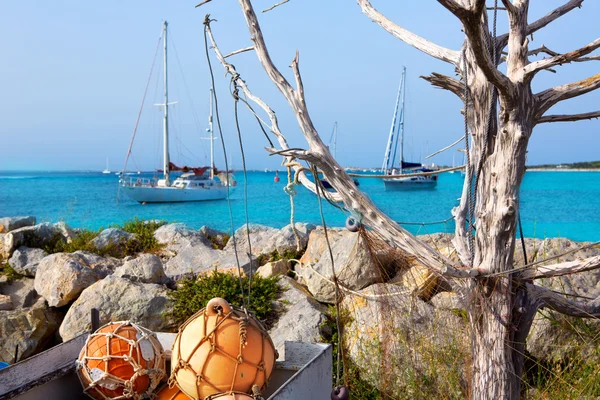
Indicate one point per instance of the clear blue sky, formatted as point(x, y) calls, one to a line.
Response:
point(73, 73)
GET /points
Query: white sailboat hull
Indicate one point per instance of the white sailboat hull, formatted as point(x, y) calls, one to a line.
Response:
point(145, 194)
point(412, 183)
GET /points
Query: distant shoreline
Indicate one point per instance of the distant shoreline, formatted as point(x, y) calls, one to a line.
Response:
point(562, 169)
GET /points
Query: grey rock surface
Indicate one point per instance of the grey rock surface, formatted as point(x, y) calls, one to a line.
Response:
point(146, 268)
point(119, 299)
point(25, 260)
point(8, 224)
point(21, 292)
point(112, 237)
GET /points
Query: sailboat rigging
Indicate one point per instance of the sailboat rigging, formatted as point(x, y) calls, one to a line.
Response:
point(195, 184)
point(395, 140)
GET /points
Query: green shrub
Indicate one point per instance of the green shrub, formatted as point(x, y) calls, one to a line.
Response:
point(9, 272)
point(192, 295)
point(276, 256)
point(144, 231)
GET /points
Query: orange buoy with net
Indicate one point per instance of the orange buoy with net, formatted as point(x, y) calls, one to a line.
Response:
point(231, 396)
point(121, 360)
point(167, 393)
point(221, 349)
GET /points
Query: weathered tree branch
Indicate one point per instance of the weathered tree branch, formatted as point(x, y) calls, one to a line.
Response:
point(233, 53)
point(565, 268)
point(353, 198)
point(569, 118)
point(544, 49)
point(546, 99)
point(509, 6)
point(502, 40)
point(534, 67)
point(447, 83)
point(275, 5)
point(556, 302)
point(427, 47)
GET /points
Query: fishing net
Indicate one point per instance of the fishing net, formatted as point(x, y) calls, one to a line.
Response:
point(121, 360)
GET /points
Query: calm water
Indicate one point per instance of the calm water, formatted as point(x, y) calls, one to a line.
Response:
point(554, 204)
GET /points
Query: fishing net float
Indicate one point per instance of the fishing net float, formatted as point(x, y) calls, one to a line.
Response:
point(121, 360)
point(221, 349)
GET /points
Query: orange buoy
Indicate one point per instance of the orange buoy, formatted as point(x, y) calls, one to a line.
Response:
point(167, 393)
point(221, 349)
point(231, 396)
point(121, 360)
point(276, 177)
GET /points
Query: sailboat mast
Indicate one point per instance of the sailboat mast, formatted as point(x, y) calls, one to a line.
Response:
point(335, 140)
point(211, 137)
point(166, 113)
point(388, 148)
point(402, 118)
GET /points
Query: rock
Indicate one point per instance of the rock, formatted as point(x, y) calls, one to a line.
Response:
point(399, 340)
point(300, 317)
point(30, 329)
point(112, 237)
point(21, 292)
point(265, 239)
point(146, 268)
point(280, 267)
point(191, 260)
point(217, 238)
point(65, 231)
point(30, 236)
point(3, 279)
point(317, 244)
point(577, 337)
point(538, 250)
point(177, 237)
point(6, 303)
point(286, 240)
point(8, 224)
point(355, 267)
point(119, 299)
point(61, 277)
point(25, 260)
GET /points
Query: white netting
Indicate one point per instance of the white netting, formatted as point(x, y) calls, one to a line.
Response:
point(121, 360)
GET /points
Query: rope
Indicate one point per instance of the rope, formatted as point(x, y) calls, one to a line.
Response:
point(522, 238)
point(233, 238)
point(469, 168)
point(236, 97)
point(291, 191)
point(340, 357)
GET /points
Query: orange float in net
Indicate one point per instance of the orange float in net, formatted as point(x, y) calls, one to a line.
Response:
point(230, 396)
point(221, 349)
point(121, 360)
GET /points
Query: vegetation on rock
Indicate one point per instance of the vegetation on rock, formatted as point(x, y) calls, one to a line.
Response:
point(192, 295)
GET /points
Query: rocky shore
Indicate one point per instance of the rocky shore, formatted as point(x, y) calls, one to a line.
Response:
point(47, 298)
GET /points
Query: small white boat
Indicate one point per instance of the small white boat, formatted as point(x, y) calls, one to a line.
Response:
point(106, 171)
point(195, 184)
point(396, 139)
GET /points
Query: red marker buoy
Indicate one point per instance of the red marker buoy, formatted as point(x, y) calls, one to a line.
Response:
point(276, 179)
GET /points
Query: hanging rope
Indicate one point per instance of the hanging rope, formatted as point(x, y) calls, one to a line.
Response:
point(291, 191)
point(469, 167)
point(245, 302)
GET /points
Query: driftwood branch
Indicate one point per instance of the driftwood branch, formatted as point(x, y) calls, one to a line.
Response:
point(272, 117)
point(535, 26)
point(565, 268)
point(556, 302)
point(550, 97)
point(544, 49)
point(275, 5)
point(569, 118)
point(353, 199)
point(233, 53)
point(419, 43)
point(559, 59)
point(447, 83)
point(446, 148)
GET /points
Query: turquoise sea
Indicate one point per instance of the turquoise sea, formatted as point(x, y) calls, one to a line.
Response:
point(554, 204)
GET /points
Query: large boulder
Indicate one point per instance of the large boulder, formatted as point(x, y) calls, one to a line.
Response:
point(8, 224)
point(146, 268)
point(119, 299)
point(177, 237)
point(61, 277)
point(354, 263)
point(404, 346)
point(301, 318)
point(280, 267)
point(25, 260)
point(317, 244)
point(30, 236)
point(538, 250)
point(112, 237)
point(265, 239)
point(29, 329)
point(21, 292)
point(191, 260)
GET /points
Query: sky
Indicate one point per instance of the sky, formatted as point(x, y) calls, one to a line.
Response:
point(73, 74)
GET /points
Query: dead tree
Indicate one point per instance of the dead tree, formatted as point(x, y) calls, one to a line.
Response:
point(501, 300)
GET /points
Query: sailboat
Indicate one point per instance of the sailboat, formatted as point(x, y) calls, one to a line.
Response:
point(395, 139)
point(333, 137)
point(195, 184)
point(106, 171)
